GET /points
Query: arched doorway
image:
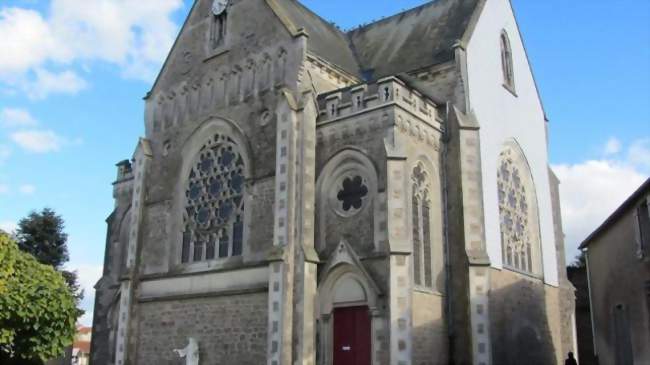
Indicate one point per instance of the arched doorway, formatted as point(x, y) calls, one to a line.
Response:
point(347, 316)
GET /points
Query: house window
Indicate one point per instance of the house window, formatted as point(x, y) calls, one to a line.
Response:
point(506, 62)
point(642, 215)
point(219, 23)
point(214, 203)
point(421, 224)
point(517, 211)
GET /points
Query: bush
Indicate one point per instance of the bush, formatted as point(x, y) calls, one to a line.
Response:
point(37, 310)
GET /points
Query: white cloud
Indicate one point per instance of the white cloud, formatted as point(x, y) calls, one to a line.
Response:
point(612, 147)
point(15, 117)
point(87, 318)
point(87, 275)
point(592, 190)
point(45, 83)
point(8, 226)
point(639, 153)
point(38, 141)
point(27, 41)
point(135, 35)
point(27, 189)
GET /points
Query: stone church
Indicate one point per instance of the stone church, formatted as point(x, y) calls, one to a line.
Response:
point(307, 195)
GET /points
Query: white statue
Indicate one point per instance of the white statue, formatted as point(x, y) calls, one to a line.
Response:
point(190, 353)
point(219, 6)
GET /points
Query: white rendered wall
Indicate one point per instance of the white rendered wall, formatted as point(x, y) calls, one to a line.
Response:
point(503, 116)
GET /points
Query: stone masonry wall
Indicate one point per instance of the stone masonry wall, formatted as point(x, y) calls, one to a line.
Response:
point(525, 320)
point(229, 329)
point(430, 339)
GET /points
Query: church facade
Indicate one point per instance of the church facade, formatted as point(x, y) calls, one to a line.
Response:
point(305, 195)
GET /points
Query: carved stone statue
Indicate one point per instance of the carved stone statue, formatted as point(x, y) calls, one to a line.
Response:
point(190, 353)
point(219, 6)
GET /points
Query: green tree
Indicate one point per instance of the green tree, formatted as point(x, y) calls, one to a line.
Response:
point(37, 310)
point(42, 235)
point(580, 261)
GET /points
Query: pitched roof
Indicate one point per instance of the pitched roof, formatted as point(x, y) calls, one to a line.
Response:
point(325, 39)
point(414, 39)
point(627, 204)
point(411, 40)
point(408, 41)
point(83, 346)
point(84, 330)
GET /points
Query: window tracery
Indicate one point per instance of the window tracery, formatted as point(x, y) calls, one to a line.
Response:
point(214, 203)
point(421, 224)
point(349, 193)
point(517, 215)
point(352, 192)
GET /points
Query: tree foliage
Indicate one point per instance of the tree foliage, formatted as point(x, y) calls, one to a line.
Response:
point(42, 235)
point(37, 310)
point(580, 261)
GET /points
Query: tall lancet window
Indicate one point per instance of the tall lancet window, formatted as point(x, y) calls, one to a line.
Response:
point(518, 212)
point(214, 203)
point(421, 224)
point(506, 62)
point(219, 23)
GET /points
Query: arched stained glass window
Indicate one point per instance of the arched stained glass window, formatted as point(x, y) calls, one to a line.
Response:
point(421, 224)
point(517, 211)
point(214, 203)
point(506, 62)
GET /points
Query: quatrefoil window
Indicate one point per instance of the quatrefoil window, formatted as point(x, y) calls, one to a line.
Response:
point(352, 193)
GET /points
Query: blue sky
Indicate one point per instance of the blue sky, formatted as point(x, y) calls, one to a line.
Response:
point(71, 105)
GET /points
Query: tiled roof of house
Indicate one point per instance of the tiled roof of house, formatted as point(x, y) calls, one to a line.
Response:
point(82, 346)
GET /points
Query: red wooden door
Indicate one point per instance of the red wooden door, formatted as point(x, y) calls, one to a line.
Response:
point(352, 336)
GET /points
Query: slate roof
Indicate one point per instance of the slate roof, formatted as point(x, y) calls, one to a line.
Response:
point(414, 39)
point(411, 40)
point(325, 39)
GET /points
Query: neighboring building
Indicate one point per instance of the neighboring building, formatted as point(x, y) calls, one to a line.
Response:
point(618, 267)
point(81, 346)
point(305, 195)
point(65, 359)
point(584, 335)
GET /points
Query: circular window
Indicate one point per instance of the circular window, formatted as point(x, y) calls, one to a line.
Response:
point(349, 194)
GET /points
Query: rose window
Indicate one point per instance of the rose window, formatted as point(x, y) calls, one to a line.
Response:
point(515, 215)
point(214, 209)
point(352, 193)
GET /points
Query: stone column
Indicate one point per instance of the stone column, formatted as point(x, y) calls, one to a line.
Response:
point(400, 278)
point(142, 159)
point(470, 197)
point(281, 274)
point(306, 258)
